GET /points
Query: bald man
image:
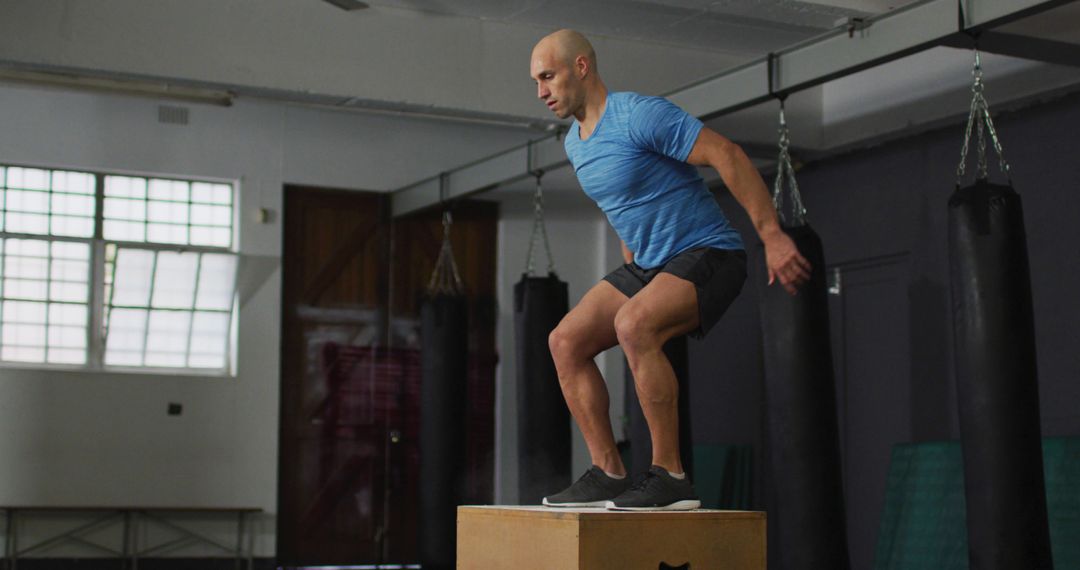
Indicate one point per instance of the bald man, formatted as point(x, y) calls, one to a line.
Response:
point(636, 156)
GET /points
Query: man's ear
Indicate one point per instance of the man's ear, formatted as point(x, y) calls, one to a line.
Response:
point(581, 65)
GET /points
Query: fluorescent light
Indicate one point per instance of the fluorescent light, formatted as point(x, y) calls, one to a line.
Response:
point(141, 88)
point(349, 5)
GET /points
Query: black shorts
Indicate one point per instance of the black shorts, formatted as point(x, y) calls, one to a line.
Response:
point(717, 274)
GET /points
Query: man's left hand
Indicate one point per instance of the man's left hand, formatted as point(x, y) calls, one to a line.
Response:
point(785, 263)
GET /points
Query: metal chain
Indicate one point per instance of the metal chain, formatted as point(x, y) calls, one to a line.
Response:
point(538, 230)
point(784, 170)
point(979, 115)
point(445, 279)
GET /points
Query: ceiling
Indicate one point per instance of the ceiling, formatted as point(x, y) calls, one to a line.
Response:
point(468, 59)
point(728, 26)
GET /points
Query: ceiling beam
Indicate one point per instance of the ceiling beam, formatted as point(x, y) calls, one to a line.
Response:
point(1015, 45)
point(841, 52)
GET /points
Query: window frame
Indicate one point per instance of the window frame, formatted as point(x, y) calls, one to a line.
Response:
point(96, 301)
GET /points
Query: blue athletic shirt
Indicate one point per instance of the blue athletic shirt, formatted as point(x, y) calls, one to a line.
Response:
point(634, 167)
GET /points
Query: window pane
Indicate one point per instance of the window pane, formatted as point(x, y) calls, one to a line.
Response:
point(73, 227)
point(23, 331)
point(28, 178)
point(131, 287)
point(26, 271)
point(22, 354)
point(174, 280)
point(67, 333)
point(163, 233)
point(73, 182)
point(67, 356)
point(73, 205)
point(27, 201)
point(211, 193)
point(209, 340)
point(24, 312)
point(168, 309)
point(167, 338)
point(167, 208)
point(221, 237)
point(125, 209)
point(211, 215)
point(168, 190)
point(68, 314)
point(125, 231)
point(17, 334)
point(78, 251)
point(216, 282)
point(126, 337)
point(125, 187)
point(25, 289)
point(26, 223)
point(169, 212)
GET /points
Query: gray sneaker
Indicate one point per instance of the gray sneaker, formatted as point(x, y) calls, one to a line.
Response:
point(657, 491)
point(593, 489)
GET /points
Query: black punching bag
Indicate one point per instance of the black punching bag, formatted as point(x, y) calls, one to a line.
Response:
point(443, 365)
point(997, 380)
point(676, 351)
point(543, 428)
point(804, 445)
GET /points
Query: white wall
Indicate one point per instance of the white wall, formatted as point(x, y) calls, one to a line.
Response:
point(75, 438)
point(585, 248)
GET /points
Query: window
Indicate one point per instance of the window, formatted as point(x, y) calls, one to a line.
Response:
point(101, 271)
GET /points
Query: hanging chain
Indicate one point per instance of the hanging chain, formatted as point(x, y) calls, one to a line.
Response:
point(538, 229)
point(784, 170)
point(445, 279)
point(979, 115)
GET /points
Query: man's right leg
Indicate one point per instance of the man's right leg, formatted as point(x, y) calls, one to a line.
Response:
point(585, 332)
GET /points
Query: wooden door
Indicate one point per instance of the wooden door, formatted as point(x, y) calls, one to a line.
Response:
point(349, 451)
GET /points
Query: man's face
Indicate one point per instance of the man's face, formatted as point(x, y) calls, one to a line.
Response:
point(557, 85)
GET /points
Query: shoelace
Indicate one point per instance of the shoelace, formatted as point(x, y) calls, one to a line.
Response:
point(644, 481)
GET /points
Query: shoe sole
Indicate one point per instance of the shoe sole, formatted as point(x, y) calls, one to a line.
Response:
point(687, 505)
point(594, 504)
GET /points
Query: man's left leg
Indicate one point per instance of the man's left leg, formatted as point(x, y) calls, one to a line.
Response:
point(663, 309)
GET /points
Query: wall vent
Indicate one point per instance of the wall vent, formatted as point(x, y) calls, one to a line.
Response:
point(172, 115)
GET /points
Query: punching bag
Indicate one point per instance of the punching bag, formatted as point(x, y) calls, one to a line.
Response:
point(676, 351)
point(997, 380)
point(543, 428)
point(443, 366)
point(444, 333)
point(807, 514)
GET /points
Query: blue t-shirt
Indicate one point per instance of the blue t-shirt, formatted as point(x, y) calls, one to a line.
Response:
point(634, 167)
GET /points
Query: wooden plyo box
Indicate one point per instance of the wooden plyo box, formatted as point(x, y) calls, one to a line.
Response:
point(541, 538)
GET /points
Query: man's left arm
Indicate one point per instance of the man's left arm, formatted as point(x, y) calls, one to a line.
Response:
point(782, 258)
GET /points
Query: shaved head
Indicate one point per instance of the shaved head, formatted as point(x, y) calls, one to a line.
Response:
point(563, 66)
point(567, 46)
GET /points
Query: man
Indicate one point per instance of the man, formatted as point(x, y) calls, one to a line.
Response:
point(685, 264)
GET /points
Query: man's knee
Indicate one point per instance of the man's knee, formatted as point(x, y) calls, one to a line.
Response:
point(635, 329)
point(565, 345)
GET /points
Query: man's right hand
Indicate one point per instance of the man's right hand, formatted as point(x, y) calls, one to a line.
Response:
point(785, 263)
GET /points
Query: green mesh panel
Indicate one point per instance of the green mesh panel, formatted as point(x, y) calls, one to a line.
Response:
point(923, 522)
point(723, 475)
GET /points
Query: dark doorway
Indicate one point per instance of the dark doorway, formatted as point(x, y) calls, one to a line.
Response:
point(350, 373)
point(870, 320)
